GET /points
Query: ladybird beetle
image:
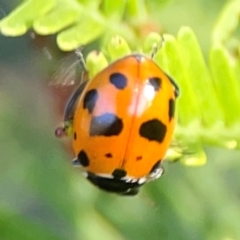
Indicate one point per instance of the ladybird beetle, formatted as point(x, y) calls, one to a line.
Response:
point(122, 122)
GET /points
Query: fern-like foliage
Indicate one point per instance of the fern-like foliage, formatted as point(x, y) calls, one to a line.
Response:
point(76, 22)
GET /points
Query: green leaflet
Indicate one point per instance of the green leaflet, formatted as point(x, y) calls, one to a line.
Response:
point(76, 22)
point(64, 15)
point(80, 34)
point(113, 10)
point(227, 22)
point(95, 61)
point(22, 18)
point(118, 48)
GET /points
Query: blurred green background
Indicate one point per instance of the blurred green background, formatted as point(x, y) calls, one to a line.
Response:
point(42, 197)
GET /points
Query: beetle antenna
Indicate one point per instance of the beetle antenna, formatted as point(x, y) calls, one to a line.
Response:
point(80, 57)
point(157, 46)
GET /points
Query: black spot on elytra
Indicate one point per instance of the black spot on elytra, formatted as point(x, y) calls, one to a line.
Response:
point(171, 109)
point(155, 166)
point(83, 158)
point(153, 130)
point(75, 136)
point(139, 158)
point(118, 80)
point(107, 124)
point(108, 155)
point(155, 82)
point(90, 100)
point(119, 173)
